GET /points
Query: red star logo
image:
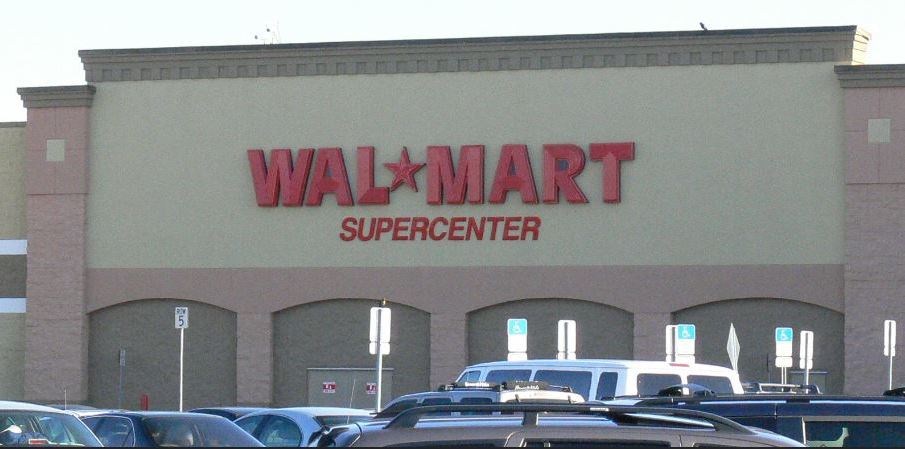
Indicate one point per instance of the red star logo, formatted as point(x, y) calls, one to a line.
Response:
point(404, 171)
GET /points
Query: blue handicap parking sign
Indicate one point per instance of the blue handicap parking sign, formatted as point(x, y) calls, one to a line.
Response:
point(686, 332)
point(784, 334)
point(517, 326)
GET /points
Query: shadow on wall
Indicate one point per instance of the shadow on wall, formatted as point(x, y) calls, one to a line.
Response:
point(755, 320)
point(603, 331)
point(334, 334)
point(146, 330)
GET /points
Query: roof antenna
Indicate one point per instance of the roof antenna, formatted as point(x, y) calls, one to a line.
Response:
point(703, 27)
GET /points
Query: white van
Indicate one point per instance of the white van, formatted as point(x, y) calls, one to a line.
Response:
point(606, 379)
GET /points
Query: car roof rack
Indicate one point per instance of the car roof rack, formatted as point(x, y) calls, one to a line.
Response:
point(779, 397)
point(618, 414)
point(776, 388)
point(505, 386)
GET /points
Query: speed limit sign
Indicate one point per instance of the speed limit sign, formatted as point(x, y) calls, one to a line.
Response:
point(182, 318)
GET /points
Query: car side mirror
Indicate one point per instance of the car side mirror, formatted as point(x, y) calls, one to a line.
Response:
point(11, 435)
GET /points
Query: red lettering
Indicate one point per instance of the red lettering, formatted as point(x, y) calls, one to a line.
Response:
point(510, 227)
point(401, 225)
point(419, 226)
point(364, 237)
point(468, 177)
point(531, 225)
point(433, 226)
point(329, 177)
point(348, 229)
point(281, 180)
point(611, 154)
point(384, 225)
point(367, 193)
point(475, 229)
point(456, 225)
point(513, 172)
point(494, 221)
point(556, 179)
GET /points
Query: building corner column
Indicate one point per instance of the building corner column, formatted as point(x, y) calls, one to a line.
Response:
point(254, 359)
point(56, 330)
point(448, 347)
point(874, 220)
point(650, 331)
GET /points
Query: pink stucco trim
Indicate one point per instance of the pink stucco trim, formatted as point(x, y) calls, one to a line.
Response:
point(458, 290)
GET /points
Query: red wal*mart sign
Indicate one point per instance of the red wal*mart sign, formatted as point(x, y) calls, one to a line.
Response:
point(305, 180)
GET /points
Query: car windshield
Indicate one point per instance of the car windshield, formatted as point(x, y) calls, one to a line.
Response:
point(22, 428)
point(196, 431)
point(340, 420)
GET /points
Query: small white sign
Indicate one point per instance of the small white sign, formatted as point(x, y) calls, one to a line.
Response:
point(889, 338)
point(566, 340)
point(182, 318)
point(517, 333)
point(785, 340)
point(670, 343)
point(806, 351)
point(380, 317)
point(517, 356)
point(686, 335)
point(784, 362)
point(733, 347)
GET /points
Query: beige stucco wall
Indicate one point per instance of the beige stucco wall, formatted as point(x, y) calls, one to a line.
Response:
point(12, 181)
point(12, 355)
point(739, 164)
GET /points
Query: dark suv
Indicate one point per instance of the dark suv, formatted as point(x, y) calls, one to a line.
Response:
point(814, 420)
point(552, 425)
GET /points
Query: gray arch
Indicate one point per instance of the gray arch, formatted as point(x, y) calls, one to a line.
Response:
point(334, 334)
point(755, 320)
point(603, 331)
point(146, 330)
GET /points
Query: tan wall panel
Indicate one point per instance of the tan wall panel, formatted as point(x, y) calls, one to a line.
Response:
point(12, 355)
point(739, 164)
point(12, 182)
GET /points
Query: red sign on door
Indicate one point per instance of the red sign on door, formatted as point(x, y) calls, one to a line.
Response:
point(329, 387)
point(371, 388)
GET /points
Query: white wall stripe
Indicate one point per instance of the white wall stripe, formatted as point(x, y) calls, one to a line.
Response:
point(12, 305)
point(13, 247)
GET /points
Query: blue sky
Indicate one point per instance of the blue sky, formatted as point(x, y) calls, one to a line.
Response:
point(41, 38)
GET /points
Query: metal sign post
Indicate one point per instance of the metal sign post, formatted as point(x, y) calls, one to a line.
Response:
point(517, 339)
point(806, 355)
point(889, 344)
point(566, 340)
point(784, 337)
point(182, 323)
point(380, 342)
point(122, 376)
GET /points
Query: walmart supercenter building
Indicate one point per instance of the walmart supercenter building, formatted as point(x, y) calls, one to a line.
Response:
point(626, 181)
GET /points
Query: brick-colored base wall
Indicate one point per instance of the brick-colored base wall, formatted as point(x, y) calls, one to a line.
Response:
point(874, 282)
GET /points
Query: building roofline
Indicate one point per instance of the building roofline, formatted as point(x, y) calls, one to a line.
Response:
point(12, 124)
point(840, 44)
point(878, 75)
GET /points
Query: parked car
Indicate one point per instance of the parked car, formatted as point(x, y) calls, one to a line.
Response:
point(230, 413)
point(552, 425)
point(23, 424)
point(603, 379)
point(467, 393)
point(814, 420)
point(297, 426)
point(167, 429)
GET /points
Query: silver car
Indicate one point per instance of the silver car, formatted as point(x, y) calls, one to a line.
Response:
point(23, 424)
point(297, 426)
